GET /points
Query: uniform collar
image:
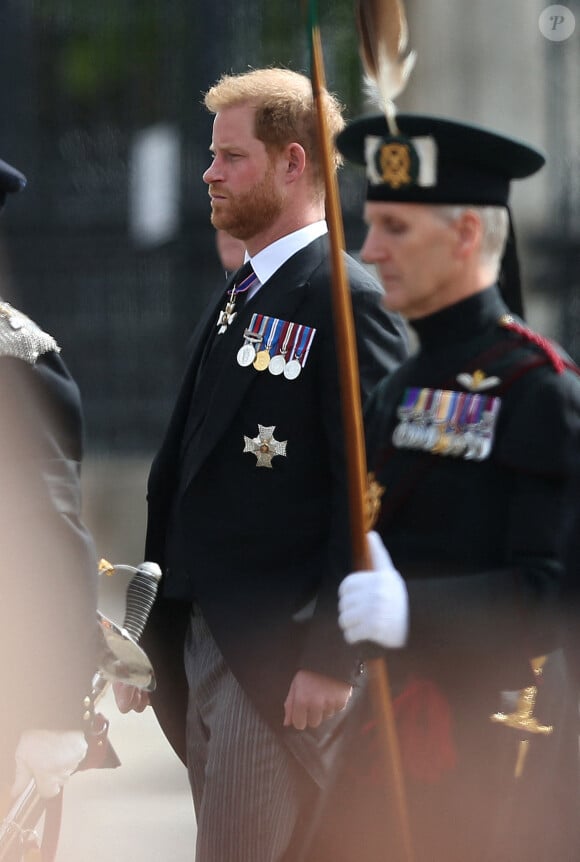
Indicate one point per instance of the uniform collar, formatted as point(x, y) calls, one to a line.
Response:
point(462, 321)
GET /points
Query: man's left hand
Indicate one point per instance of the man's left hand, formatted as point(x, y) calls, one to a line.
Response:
point(312, 698)
point(129, 697)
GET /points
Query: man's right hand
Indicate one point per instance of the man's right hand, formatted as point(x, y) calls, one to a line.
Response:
point(374, 605)
point(129, 697)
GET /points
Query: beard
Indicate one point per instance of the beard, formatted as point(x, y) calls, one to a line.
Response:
point(250, 212)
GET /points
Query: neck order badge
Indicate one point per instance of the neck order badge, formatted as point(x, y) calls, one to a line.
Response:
point(245, 281)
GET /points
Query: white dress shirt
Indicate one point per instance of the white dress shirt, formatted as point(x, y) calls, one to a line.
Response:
point(271, 258)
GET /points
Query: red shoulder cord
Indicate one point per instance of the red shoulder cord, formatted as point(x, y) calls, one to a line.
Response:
point(546, 346)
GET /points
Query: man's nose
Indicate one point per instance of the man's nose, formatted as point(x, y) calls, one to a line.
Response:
point(373, 248)
point(211, 174)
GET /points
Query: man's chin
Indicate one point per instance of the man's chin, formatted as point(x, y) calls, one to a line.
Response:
point(390, 289)
point(233, 228)
point(219, 221)
point(392, 300)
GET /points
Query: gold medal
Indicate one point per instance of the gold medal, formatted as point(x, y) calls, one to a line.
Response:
point(262, 360)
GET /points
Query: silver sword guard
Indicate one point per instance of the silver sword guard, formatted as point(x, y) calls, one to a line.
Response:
point(122, 659)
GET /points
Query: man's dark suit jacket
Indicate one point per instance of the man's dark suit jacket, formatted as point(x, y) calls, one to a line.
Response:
point(261, 550)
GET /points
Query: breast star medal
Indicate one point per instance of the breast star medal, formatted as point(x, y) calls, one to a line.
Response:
point(264, 446)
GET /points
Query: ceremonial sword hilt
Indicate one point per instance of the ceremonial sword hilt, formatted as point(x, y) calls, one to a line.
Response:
point(123, 660)
point(522, 718)
point(141, 593)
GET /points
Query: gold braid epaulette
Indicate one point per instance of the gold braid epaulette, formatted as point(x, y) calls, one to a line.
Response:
point(21, 338)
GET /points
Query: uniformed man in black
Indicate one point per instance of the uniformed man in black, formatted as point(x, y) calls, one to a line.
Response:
point(48, 571)
point(473, 440)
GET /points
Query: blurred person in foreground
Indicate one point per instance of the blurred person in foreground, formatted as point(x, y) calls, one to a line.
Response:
point(231, 251)
point(474, 440)
point(247, 495)
point(48, 578)
point(571, 591)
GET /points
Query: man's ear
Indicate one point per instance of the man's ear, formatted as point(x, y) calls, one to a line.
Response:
point(296, 161)
point(469, 233)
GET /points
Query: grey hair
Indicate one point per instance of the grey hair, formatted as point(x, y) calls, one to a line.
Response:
point(495, 225)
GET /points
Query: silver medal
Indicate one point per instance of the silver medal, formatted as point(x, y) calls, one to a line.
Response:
point(246, 355)
point(484, 448)
point(472, 445)
point(458, 446)
point(277, 365)
point(420, 436)
point(414, 436)
point(431, 437)
point(399, 435)
point(292, 369)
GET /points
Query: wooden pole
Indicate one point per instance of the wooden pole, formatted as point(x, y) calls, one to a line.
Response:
point(355, 442)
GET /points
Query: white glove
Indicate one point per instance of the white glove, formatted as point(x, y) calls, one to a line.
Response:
point(49, 757)
point(374, 606)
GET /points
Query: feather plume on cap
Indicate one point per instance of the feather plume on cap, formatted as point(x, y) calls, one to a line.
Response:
point(383, 47)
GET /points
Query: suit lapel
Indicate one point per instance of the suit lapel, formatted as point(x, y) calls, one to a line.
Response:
point(222, 383)
point(172, 442)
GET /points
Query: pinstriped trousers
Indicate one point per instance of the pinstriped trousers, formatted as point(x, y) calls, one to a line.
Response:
point(244, 780)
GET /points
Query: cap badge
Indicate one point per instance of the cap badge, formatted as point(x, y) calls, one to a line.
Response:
point(397, 163)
